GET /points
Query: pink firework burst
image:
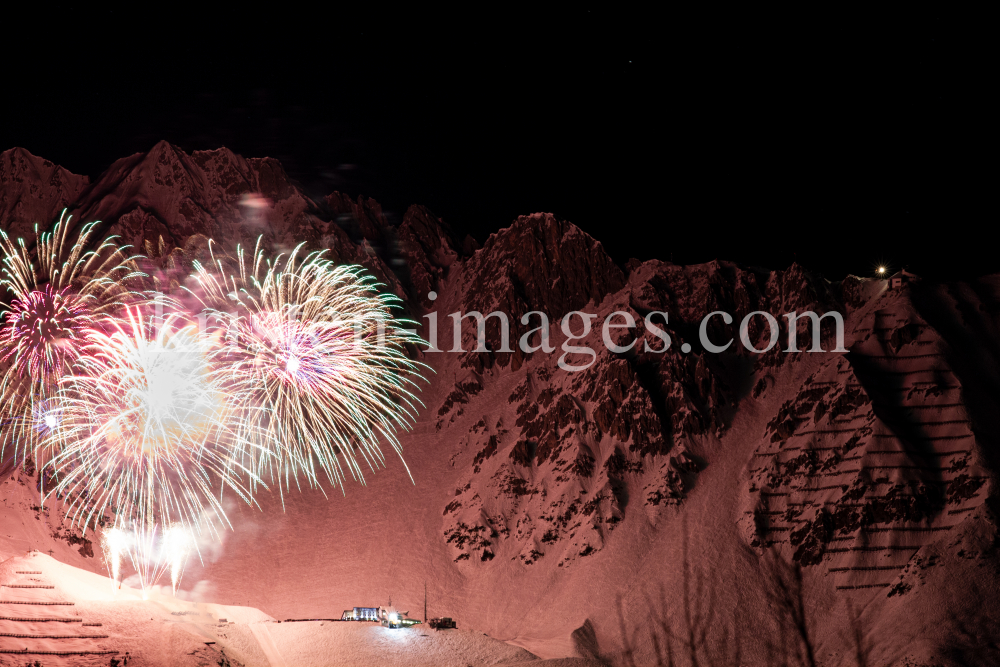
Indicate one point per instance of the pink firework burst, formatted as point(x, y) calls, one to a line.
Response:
point(40, 331)
point(58, 292)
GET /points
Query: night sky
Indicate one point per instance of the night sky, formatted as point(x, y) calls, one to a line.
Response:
point(763, 140)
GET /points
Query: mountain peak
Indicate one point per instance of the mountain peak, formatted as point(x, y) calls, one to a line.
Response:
point(34, 190)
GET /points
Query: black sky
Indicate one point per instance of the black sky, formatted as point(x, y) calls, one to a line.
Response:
point(831, 140)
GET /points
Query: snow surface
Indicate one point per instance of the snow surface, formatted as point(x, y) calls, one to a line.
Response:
point(164, 630)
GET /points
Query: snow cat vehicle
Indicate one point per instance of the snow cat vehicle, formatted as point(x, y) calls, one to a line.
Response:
point(391, 618)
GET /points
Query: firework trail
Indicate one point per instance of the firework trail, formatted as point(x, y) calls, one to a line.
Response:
point(141, 549)
point(143, 430)
point(151, 558)
point(176, 546)
point(142, 553)
point(54, 301)
point(314, 353)
point(114, 543)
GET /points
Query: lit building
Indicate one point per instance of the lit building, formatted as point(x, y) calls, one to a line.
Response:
point(362, 614)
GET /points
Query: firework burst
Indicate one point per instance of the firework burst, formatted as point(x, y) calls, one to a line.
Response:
point(54, 300)
point(143, 428)
point(314, 352)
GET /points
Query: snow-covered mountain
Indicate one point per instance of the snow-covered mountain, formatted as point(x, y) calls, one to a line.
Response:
point(651, 495)
point(34, 190)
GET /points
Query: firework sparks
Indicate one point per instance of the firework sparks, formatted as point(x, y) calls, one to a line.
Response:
point(143, 428)
point(114, 543)
point(300, 371)
point(149, 561)
point(142, 553)
point(314, 350)
point(177, 543)
point(55, 300)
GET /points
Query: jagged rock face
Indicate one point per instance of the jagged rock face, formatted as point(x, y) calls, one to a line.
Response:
point(688, 294)
point(419, 250)
point(539, 263)
point(872, 459)
point(360, 223)
point(362, 219)
point(34, 191)
point(542, 263)
point(550, 468)
point(217, 194)
point(427, 249)
point(168, 191)
point(546, 488)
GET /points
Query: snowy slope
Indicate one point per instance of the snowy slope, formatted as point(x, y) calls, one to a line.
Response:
point(61, 615)
point(27, 524)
